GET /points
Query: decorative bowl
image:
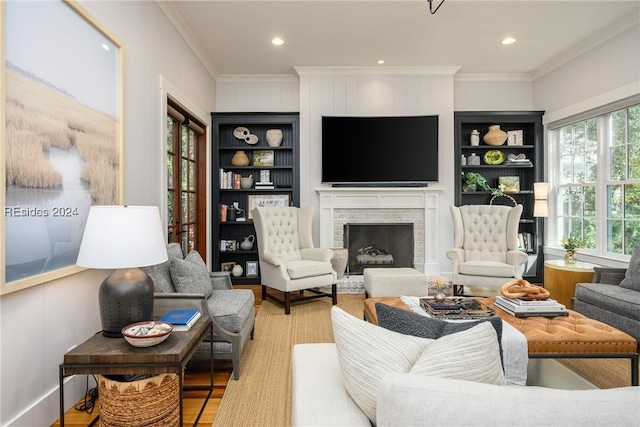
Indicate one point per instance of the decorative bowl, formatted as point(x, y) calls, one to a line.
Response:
point(241, 132)
point(146, 334)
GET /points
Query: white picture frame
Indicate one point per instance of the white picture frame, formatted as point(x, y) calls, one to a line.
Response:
point(252, 269)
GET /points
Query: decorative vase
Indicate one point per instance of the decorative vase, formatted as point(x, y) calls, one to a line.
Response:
point(240, 159)
point(467, 188)
point(237, 270)
point(475, 137)
point(274, 137)
point(339, 261)
point(440, 297)
point(247, 243)
point(246, 183)
point(473, 160)
point(570, 257)
point(495, 136)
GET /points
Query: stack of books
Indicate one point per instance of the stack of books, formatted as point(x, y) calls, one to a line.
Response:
point(264, 185)
point(519, 307)
point(181, 319)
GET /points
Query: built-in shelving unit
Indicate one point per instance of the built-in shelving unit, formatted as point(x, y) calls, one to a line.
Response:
point(530, 123)
point(284, 173)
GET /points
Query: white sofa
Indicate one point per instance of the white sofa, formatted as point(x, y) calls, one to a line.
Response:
point(320, 399)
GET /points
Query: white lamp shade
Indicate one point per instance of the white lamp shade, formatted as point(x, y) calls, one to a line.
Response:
point(122, 237)
point(541, 190)
point(540, 208)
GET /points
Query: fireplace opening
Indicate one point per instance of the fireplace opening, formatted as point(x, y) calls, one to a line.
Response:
point(378, 245)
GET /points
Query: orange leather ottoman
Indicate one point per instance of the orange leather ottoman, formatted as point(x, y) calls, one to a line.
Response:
point(573, 336)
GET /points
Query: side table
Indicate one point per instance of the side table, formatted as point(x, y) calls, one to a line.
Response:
point(560, 278)
point(115, 356)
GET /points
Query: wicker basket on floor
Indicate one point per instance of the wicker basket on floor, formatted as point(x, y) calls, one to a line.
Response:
point(152, 401)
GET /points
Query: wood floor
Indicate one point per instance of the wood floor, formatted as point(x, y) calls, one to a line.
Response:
point(193, 400)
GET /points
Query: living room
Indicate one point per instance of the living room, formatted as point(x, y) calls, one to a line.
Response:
point(61, 313)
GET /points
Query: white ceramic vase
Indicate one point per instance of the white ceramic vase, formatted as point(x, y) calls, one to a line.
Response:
point(274, 137)
point(339, 261)
point(237, 270)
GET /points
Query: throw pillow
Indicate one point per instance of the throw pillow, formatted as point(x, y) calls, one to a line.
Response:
point(161, 273)
point(409, 323)
point(368, 352)
point(632, 276)
point(191, 275)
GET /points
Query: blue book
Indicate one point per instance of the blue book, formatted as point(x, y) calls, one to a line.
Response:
point(181, 319)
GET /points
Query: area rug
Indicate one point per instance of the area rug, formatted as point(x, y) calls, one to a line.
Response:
point(262, 395)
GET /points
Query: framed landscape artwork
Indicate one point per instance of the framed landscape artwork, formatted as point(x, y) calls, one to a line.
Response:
point(62, 127)
point(277, 200)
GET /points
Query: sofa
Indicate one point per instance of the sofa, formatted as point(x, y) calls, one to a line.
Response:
point(439, 396)
point(613, 297)
point(187, 283)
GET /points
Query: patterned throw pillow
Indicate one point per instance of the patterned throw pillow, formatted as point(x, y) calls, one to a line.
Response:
point(191, 275)
point(409, 323)
point(368, 352)
point(632, 277)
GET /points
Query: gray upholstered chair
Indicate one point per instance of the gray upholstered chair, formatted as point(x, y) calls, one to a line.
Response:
point(485, 252)
point(187, 283)
point(288, 260)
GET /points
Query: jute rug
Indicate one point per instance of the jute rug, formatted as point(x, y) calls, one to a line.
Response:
point(262, 396)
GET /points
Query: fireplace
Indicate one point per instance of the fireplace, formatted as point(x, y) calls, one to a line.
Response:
point(378, 245)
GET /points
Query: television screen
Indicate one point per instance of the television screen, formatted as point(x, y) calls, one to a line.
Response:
point(380, 150)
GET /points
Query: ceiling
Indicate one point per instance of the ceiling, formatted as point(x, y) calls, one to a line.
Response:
point(234, 37)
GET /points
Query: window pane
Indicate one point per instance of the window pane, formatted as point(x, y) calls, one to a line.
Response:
point(634, 160)
point(564, 201)
point(591, 138)
point(192, 207)
point(618, 162)
point(614, 236)
point(631, 236)
point(591, 164)
point(193, 137)
point(170, 175)
point(575, 206)
point(566, 170)
point(192, 176)
point(170, 217)
point(589, 233)
point(614, 201)
point(619, 127)
point(590, 201)
point(169, 134)
point(185, 175)
point(185, 204)
point(632, 201)
point(185, 141)
point(633, 115)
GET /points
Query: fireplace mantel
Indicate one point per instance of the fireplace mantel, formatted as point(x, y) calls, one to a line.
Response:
point(384, 204)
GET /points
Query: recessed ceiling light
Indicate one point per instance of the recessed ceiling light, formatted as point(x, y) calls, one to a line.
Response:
point(380, 61)
point(277, 41)
point(509, 40)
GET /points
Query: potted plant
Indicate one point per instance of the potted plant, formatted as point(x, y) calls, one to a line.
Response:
point(473, 181)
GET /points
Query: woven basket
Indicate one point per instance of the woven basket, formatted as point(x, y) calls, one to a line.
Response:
point(153, 401)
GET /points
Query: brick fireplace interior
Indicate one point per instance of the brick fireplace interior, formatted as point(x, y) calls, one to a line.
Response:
point(378, 245)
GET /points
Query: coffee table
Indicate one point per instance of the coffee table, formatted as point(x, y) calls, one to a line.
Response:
point(575, 336)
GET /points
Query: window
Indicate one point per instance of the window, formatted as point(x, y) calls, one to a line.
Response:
point(598, 185)
point(185, 180)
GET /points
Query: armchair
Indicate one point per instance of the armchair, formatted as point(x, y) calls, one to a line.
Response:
point(485, 252)
point(187, 283)
point(288, 260)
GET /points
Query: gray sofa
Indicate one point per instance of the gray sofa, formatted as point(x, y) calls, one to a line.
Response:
point(186, 282)
point(319, 398)
point(613, 297)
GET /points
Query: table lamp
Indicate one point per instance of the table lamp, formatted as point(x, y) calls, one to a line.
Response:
point(123, 238)
point(540, 194)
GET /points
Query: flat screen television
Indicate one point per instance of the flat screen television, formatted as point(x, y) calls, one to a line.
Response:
point(384, 151)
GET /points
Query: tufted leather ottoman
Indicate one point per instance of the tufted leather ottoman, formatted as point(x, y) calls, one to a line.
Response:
point(573, 336)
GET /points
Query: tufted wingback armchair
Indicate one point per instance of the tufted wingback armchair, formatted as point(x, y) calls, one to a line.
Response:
point(485, 252)
point(288, 260)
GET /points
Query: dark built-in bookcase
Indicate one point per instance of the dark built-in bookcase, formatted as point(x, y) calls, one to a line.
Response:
point(285, 175)
point(530, 123)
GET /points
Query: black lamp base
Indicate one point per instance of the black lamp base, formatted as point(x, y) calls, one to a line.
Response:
point(125, 297)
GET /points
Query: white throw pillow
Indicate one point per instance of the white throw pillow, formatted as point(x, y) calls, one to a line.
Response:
point(368, 352)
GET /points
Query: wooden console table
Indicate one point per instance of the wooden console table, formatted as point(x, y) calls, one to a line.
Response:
point(115, 356)
point(560, 278)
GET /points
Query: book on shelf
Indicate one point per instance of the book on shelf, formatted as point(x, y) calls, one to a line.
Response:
point(182, 319)
point(506, 302)
point(223, 212)
point(264, 185)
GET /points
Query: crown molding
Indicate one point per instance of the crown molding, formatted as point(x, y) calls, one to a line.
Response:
point(497, 77)
point(183, 29)
point(258, 78)
point(443, 70)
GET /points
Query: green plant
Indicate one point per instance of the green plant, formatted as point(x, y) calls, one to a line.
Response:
point(571, 244)
point(480, 183)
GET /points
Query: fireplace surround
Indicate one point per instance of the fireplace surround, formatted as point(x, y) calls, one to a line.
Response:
point(368, 205)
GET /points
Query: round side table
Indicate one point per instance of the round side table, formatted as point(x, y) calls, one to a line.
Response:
point(560, 278)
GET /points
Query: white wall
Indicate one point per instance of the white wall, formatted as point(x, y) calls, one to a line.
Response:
point(39, 324)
